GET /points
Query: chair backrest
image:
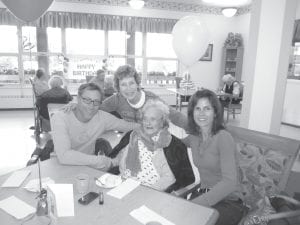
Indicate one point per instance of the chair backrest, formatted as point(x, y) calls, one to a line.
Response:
point(264, 162)
point(31, 80)
point(53, 108)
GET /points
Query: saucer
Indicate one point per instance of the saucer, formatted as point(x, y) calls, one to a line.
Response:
point(109, 181)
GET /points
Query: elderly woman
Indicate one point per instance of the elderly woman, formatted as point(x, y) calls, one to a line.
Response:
point(154, 156)
point(233, 87)
point(213, 151)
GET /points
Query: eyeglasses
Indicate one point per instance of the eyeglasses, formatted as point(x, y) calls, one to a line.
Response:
point(90, 101)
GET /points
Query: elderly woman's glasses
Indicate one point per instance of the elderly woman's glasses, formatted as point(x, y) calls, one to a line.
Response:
point(91, 102)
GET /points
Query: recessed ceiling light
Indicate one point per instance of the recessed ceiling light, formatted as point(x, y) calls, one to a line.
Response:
point(227, 3)
point(229, 12)
point(136, 4)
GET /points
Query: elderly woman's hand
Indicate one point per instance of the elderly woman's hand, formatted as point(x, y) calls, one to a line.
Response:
point(69, 107)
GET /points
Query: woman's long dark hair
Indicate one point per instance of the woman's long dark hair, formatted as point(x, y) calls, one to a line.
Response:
point(218, 123)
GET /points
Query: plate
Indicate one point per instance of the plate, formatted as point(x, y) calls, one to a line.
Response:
point(109, 181)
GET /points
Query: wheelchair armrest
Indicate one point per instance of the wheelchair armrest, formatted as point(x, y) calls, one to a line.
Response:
point(186, 191)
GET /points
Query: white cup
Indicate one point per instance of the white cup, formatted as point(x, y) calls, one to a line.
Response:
point(82, 183)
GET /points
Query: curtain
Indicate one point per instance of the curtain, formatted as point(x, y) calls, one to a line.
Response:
point(296, 35)
point(93, 21)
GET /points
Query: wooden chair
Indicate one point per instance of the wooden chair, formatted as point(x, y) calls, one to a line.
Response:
point(268, 159)
point(37, 119)
point(233, 108)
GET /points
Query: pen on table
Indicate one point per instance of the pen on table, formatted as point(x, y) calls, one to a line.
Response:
point(101, 198)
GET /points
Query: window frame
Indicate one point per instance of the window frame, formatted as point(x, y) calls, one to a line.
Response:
point(145, 59)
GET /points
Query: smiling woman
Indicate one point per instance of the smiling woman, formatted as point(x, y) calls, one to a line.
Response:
point(213, 151)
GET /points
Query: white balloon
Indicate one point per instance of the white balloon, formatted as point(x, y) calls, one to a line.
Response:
point(28, 10)
point(190, 39)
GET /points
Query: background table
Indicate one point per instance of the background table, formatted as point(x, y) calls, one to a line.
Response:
point(182, 95)
point(114, 211)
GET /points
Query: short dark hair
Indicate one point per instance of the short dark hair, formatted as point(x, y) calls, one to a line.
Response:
point(90, 87)
point(218, 123)
point(39, 73)
point(125, 71)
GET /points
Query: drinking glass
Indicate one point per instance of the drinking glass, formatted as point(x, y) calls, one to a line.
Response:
point(82, 183)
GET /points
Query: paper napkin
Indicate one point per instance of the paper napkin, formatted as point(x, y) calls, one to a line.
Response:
point(123, 189)
point(145, 215)
point(16, 178)
point(16, 207)
point(61, 199)
point(34, 185)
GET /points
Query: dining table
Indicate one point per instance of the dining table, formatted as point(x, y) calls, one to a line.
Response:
point(182, 95)
point(114, 211)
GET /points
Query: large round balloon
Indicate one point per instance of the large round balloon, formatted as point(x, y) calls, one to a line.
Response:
point(190, 39)
point(28, 10)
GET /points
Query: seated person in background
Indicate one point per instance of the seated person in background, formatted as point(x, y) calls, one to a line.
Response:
point(104, 82)
point(40, 82)
point(213, 151)
point(233, 87)
point(99, 78)
point(154, 156)
point(75, 133)
point(56, 94)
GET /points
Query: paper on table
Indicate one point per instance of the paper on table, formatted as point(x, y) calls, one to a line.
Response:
point(145, 215)
point(34, 185)
point(123, 189)
point(16, 207)
point(61, 199)
point(16, 178)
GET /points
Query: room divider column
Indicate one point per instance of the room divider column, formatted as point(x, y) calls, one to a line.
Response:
point(42, 46)
point(266, 63)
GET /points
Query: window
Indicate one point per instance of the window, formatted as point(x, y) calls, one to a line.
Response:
point(161, 71)
point(161, 59)
point(56, 65)
point(30, 65)
point(116, 42)
point(8, 39)
point(159, 45)
point(76, 53)
point(54, 39)
point(294, 66)
point(9, 69)
point(29, 39)
point(84, 41)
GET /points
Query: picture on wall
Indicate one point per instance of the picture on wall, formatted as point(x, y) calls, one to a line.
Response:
point(208, 54)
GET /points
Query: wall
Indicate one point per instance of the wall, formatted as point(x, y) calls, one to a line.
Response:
point(298, 11)
point(207, 73)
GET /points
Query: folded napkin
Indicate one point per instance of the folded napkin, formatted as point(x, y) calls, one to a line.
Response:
point(123, 189)
point(34, 185)
point(16, 178)
point(145, 215)
point(16, 207)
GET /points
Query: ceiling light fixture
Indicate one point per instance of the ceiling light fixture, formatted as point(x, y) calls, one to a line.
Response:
point(229, 12)
point(136, 4)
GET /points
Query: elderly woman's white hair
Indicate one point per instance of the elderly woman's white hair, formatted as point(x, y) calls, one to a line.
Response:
point(228, 78)
point(161, 106)
point(55, 81)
